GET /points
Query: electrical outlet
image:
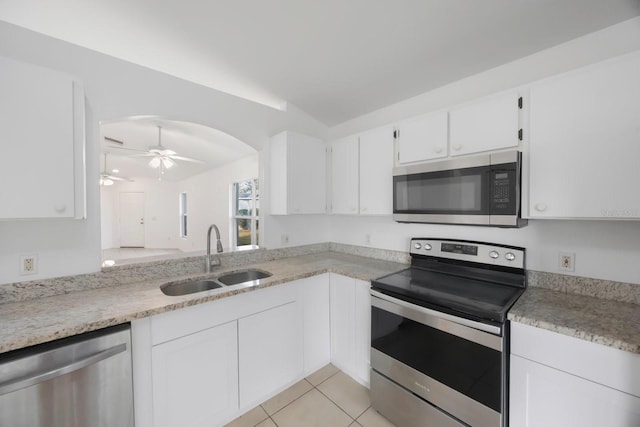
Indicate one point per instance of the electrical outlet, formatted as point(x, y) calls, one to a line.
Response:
point(28, 264)
point(566, 261)
point(284, 239)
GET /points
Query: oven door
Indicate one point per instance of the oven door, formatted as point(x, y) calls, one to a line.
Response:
point(455, 367)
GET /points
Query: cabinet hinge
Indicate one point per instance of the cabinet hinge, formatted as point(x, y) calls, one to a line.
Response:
point(396, 134)
point(520, 134)
point(520, 103)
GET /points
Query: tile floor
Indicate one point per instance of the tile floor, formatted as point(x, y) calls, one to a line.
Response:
point(326, 398)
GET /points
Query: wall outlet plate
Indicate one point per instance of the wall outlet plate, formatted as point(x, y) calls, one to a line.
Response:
point(566, 261)
point(28, 264)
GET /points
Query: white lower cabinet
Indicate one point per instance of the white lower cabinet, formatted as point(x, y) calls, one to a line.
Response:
point(350, 326)
point(270, 352)
point(313, 293)
point(559, 381)
point(545, 397)
point(195, 378)
point(207, 364)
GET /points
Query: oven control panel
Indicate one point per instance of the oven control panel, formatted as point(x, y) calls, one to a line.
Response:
point(486, 253)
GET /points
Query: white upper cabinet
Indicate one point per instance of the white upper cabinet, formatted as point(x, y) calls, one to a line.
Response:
point(298, 174)
point(42, 122)
point(345, 176)
point(376, 172)
point(585, 142)
point(489, 123)
point(422, 138)
point(361, 172)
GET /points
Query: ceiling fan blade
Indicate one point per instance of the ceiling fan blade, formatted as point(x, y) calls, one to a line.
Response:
point(143, 154)
point(115, 147)
point(186, 159)
point(115, 178)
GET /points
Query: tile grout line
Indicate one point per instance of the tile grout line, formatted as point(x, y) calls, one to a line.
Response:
point(270, 415)
point(330, 400)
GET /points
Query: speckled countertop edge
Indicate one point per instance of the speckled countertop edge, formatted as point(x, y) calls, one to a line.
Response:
point(553, 302)
point(602, 321)
point(35, 321)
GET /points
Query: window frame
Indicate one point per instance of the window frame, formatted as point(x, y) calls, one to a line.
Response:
point(253, 217)
point(184, 218)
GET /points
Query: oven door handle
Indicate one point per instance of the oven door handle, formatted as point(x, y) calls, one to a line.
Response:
point(480, 333)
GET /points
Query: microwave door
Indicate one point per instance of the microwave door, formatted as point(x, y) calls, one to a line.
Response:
point(447, 196)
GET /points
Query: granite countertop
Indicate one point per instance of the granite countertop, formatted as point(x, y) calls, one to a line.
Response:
point(602, 321)
point(35, 321)
point(591, 310)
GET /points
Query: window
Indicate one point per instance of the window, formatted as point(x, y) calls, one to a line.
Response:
point(183, 215)
point(244, 217)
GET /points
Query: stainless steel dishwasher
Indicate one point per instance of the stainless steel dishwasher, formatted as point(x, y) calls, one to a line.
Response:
point(73, 382)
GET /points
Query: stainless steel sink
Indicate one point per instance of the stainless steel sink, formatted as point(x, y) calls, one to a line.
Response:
point(176, 289)
point(243, 276)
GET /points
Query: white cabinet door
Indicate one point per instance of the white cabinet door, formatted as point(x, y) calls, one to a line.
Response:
point(585, 142)
point(314, 295)
point(342, 320)
point(541, 396)
point(376, 172)
point(345, 176)
point(362, 331)
point(489, 123)
point(422, 138)
point(270, 353)
point(195, 378)
point(350, 326)
point(297, 166)
point(42, 122)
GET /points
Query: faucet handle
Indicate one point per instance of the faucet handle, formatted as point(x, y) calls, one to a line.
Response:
point(214, 261)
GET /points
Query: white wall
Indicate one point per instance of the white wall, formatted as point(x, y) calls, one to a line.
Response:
point(604, 249)
point(115, 89)
point(160, 212)
point(208, 200)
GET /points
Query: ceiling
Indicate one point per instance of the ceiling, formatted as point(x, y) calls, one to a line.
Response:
point(211, 147)
point(334, 59)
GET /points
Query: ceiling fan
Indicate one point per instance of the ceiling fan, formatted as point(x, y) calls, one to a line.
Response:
point(162, 158)
point(107, 179)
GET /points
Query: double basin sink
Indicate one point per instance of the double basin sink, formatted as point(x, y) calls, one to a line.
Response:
point(228, 279)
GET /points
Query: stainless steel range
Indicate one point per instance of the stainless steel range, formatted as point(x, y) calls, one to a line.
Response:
point(439, 334)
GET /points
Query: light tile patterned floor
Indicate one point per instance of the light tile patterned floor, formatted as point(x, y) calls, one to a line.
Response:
point(326, 398)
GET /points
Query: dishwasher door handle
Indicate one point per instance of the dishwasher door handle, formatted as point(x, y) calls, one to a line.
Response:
point(38, 377)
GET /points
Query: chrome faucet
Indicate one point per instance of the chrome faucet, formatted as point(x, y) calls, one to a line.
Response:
point(215, 260)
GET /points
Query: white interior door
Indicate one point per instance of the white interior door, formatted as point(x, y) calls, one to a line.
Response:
point(132, 220)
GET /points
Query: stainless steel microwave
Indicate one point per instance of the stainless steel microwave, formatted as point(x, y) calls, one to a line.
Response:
point(475, 190)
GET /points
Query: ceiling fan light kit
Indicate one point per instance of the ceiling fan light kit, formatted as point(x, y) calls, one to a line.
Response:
point(107, 179)
point(161, 157)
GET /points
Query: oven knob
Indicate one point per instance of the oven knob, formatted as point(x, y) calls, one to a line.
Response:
point(417, 246)
point(427, 247)
point(494, 254)
point(509, 256)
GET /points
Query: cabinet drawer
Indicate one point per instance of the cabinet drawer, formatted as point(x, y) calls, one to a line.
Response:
point(604, 365)
point(178, 323)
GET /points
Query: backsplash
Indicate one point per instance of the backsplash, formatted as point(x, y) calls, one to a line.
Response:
point(599, 288)
point(192, 265)
point(137, 272)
